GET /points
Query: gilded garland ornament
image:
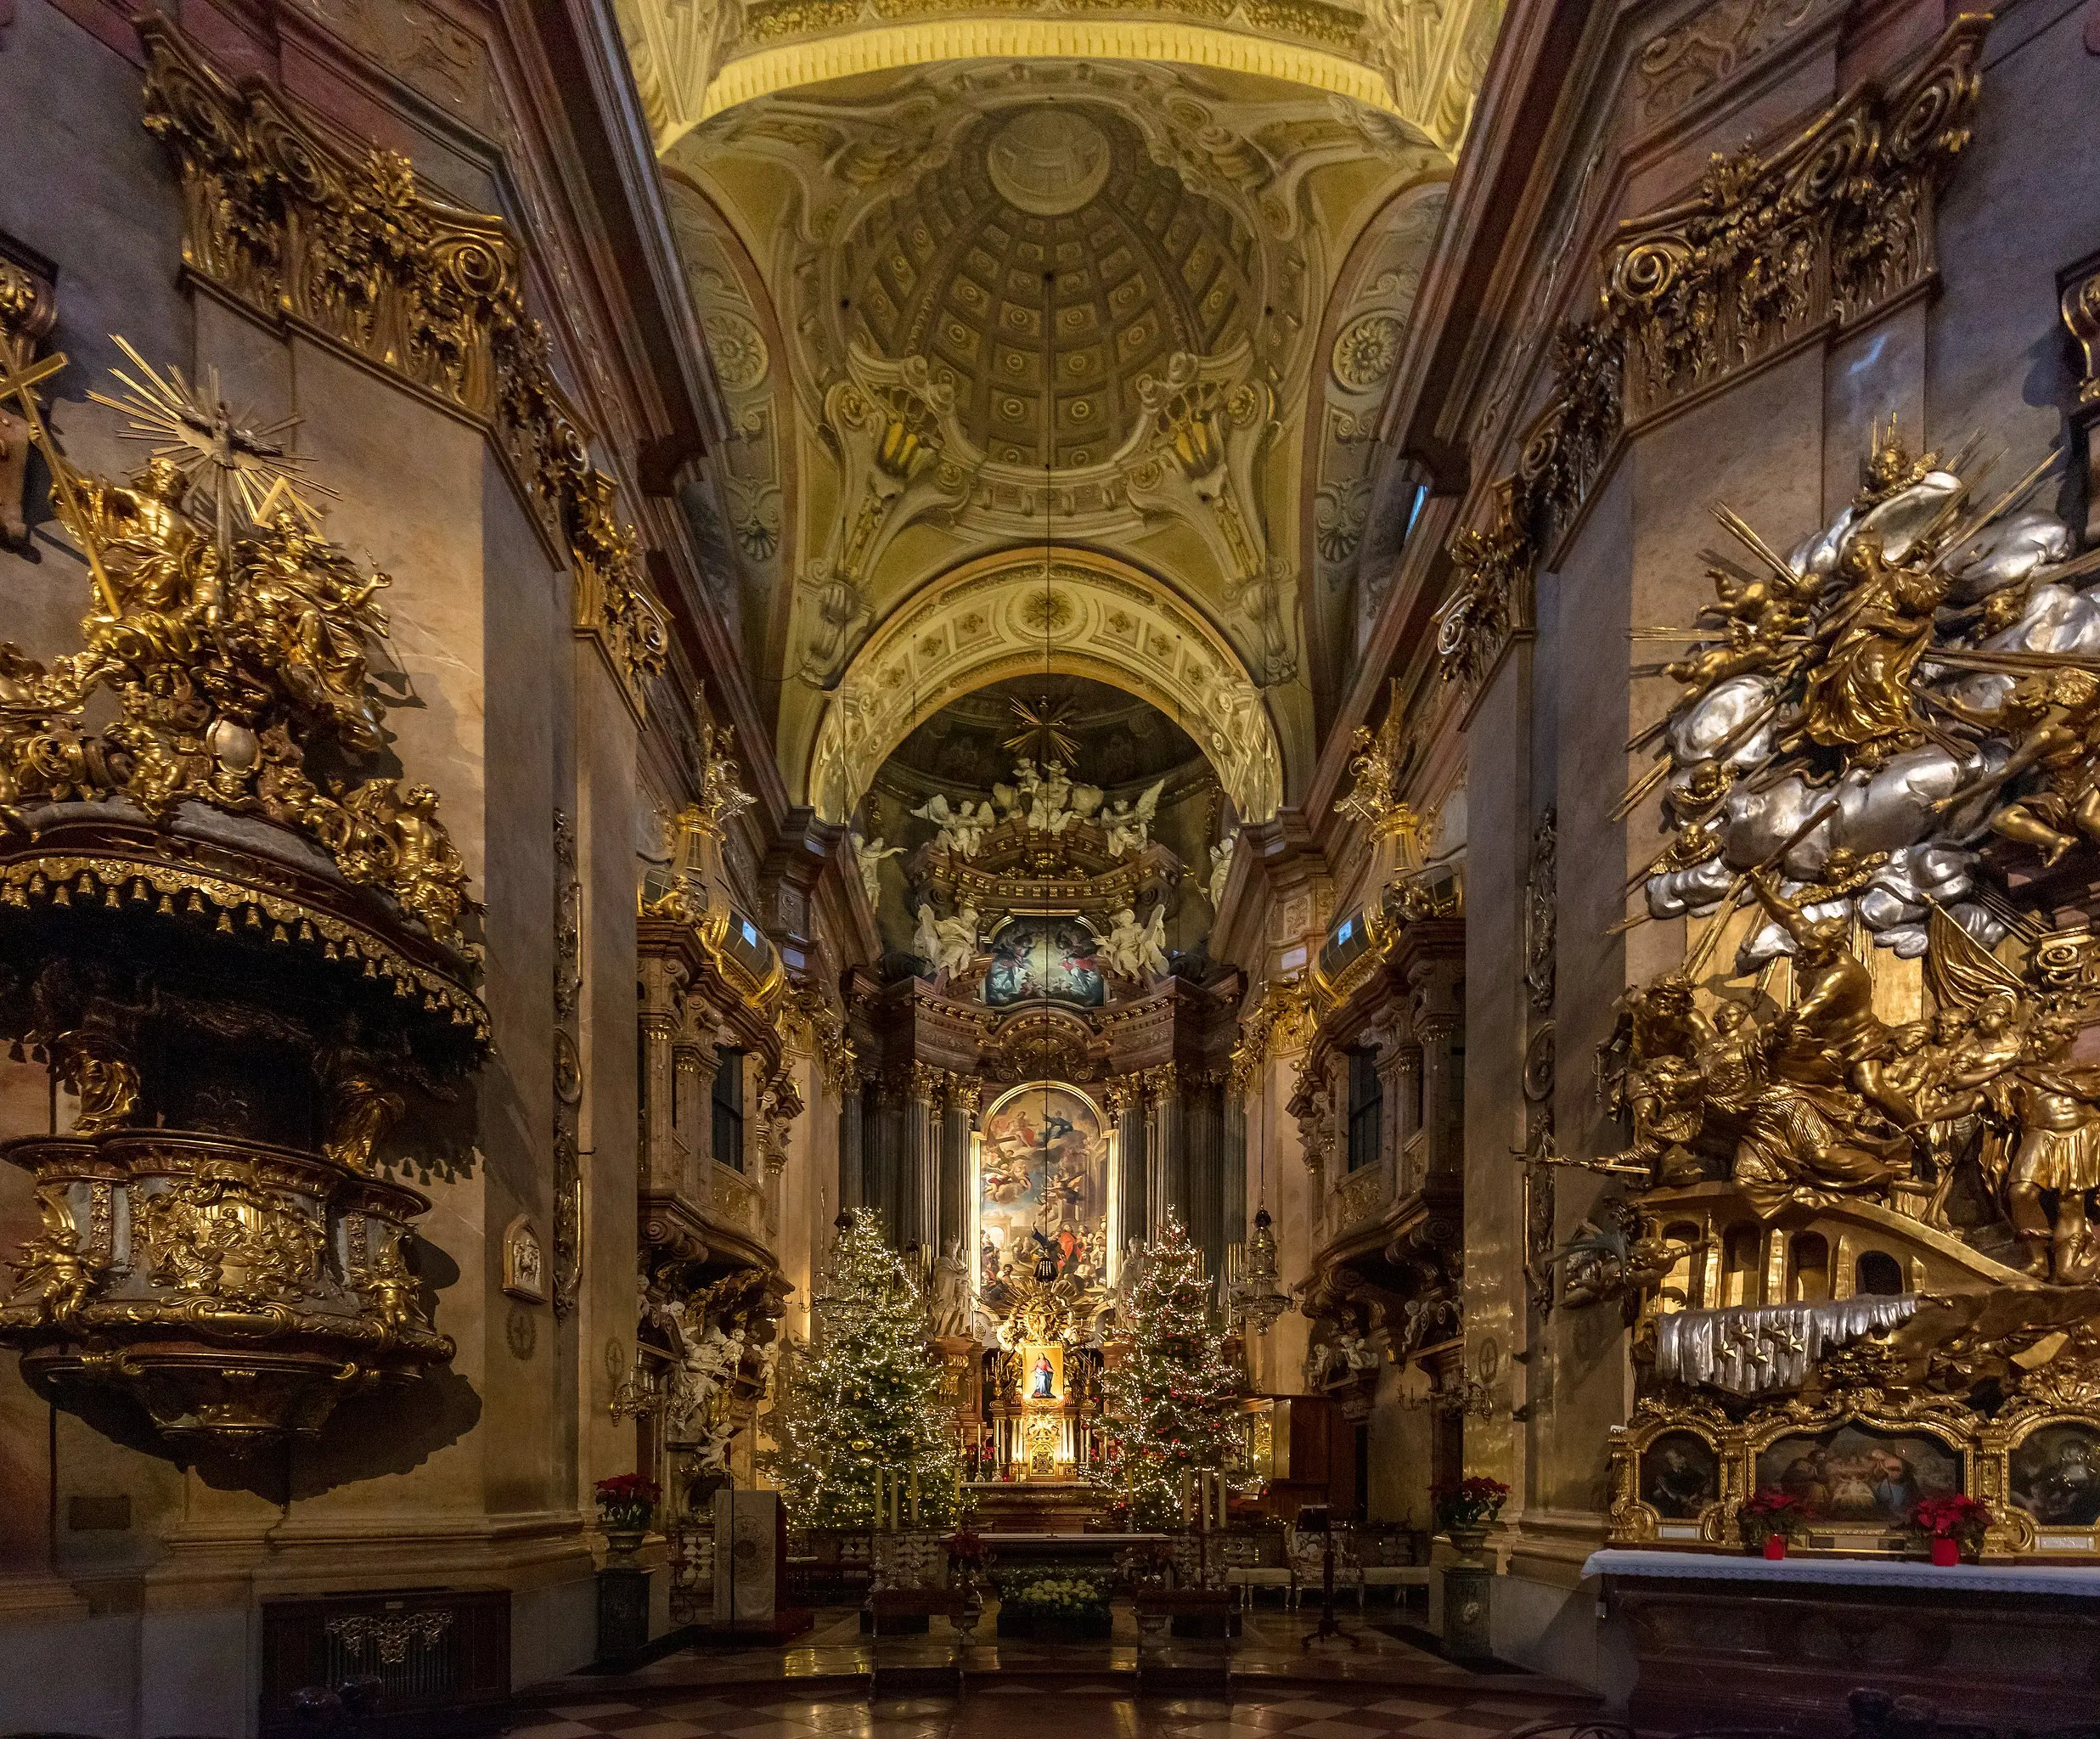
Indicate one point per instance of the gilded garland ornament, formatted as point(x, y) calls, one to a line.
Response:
point(1767, 249)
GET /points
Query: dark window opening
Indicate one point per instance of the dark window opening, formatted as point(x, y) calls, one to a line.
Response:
point(727, 1099)
point(1878, 1273)
point(1366, 1107)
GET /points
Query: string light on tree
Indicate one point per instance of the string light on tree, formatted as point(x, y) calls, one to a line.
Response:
point(858, 1415)
point(1172, 1400)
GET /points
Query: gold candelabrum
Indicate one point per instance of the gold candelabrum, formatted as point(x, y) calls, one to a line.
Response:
point(243, 955)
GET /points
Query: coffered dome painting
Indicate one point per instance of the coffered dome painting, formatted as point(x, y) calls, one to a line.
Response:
point(1042, 301)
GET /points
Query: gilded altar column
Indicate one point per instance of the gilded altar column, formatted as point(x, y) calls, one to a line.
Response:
point(1438, 1019)
point(853, 1115)
point(1202, 1168)
point(1399, 1086)
point(658, 1067)
point(959, 1117)
point(1164, 1157)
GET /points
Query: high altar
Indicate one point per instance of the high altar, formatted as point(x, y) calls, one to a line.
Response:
point(1044, 1087)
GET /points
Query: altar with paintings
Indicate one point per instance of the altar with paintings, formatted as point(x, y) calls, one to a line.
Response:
point(1044, 1231)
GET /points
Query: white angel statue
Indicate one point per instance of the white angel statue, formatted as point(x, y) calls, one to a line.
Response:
point(1152, 946)
point(960, 829)
point(1019, 798)
point(1129, 825)
point(1050, 804)
point(1133, 950)
point(955, 941)
point(868, 854)
point(925, 942)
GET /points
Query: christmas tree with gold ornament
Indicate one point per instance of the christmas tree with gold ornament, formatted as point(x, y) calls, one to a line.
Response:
point(1171, 1400)
point(857, 1415)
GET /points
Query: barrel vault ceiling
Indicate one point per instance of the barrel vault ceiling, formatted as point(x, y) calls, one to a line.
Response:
point(1129, 279)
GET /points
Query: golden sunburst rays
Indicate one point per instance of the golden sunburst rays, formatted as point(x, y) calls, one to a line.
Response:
point(1042, 735)
point(238, 463)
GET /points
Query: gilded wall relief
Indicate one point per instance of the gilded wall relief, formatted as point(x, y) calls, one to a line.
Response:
point(1768, 250)
point(242, 944)
point(1865, 1151)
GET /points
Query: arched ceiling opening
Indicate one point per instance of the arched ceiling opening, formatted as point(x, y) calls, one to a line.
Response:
point(1055, 259)
point(974, 282)
point(695, 59)
point(1015, 615)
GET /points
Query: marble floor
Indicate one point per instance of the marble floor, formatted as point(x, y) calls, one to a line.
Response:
point(1080, 1710)
point(1370, 1685)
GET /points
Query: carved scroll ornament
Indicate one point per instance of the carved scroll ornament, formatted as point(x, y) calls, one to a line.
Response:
point(281, 218)
point(1771, 250)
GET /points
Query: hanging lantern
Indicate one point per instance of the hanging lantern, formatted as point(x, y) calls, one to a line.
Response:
point(1258, 1298)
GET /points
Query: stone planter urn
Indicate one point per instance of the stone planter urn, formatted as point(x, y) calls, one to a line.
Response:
point(1470, 1541)
point(622, 1543)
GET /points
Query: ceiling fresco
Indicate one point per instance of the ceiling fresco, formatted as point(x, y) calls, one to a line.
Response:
point(961, 308)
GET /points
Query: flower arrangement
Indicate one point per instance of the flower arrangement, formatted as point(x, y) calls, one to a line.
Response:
point(1771, 1515)
point(626, 1502)
point(966, 1549)
point(1471, 1503)
point(1953, 1524)
point(1074, 1597)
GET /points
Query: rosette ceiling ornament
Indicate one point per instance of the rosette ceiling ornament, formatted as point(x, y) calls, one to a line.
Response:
point(240, 948)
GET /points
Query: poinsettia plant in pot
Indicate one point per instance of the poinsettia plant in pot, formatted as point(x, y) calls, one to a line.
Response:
point(1953, 1526)
point(1473, 1502)
point(1466, 1510)
point(967, 1549)
point(1769, 1520)
point(626, 1502)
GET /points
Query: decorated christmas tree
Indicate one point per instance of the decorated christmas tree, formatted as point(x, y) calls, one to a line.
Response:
point(860, 1406)
point(1170, 1403)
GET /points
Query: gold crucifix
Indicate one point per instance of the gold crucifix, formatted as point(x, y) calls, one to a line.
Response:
point(20, 386)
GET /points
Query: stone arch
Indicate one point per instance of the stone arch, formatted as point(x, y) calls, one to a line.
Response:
point(1000, 616)
point(883, 49)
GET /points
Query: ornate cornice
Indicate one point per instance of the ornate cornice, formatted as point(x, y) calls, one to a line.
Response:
point(281, 219)
point(1772, 251)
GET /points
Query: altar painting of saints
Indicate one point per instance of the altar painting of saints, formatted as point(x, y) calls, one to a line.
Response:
point(2056, 1476)
point(1043, 1188)
point(1856, 1475)
point(1680, 1476)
